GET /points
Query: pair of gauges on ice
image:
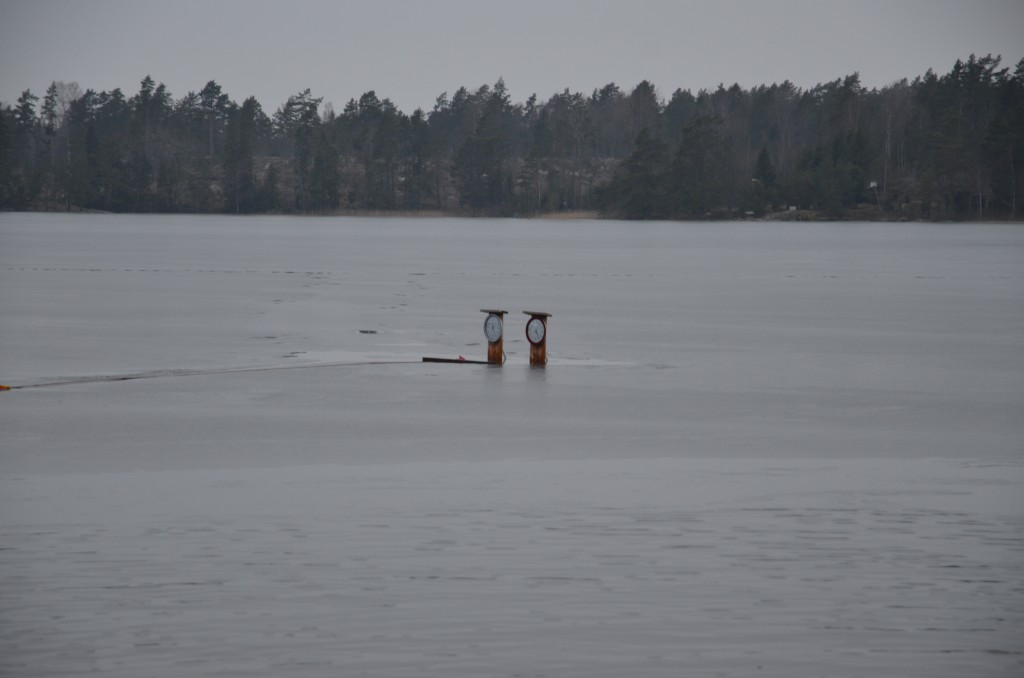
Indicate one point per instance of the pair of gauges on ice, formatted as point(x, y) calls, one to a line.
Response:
point(535, 329)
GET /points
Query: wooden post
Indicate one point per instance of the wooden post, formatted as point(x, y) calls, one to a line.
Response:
point(537, 335)
point(494, 331)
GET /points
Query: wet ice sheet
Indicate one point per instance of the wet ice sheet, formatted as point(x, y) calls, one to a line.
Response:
point(793, 447)
point(598, 568)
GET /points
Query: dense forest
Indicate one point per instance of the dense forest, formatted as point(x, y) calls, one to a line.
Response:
point(939, 147)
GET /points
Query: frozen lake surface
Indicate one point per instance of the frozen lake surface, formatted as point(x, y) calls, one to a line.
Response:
point(757, 449)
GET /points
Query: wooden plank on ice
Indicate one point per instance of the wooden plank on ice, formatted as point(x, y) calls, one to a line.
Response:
point(456, 360)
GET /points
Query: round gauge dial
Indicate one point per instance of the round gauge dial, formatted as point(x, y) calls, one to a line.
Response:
point(492, 327)
point(535, 330)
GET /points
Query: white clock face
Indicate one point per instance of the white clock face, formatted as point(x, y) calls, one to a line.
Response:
point(492, 328)
point(535, 330)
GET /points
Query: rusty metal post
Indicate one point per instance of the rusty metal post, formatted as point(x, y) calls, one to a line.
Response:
point(537, 335)
point(494, 331)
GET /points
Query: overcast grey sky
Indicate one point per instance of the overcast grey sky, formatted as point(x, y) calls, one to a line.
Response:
point(412, 51)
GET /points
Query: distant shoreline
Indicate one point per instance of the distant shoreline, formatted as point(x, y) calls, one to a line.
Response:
point(804, 216)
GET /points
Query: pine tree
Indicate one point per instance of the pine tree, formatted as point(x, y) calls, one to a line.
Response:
point(697, 177)
point(638, 190)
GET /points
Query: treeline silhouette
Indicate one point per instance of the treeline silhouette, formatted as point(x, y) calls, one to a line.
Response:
point(939, 147)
